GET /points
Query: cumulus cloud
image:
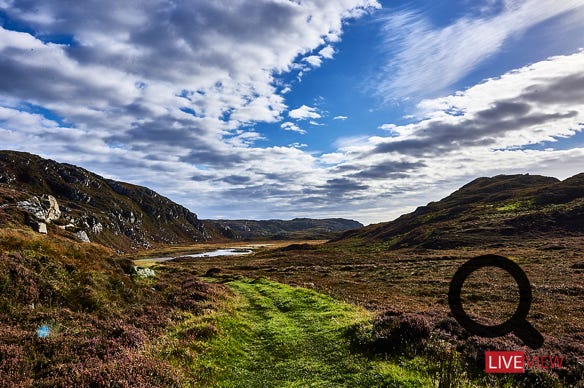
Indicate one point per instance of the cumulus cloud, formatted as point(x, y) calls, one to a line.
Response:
point(488, 129)
point(427, 59)
point(304, 112)
point(168, 95)
point(342, 118)
point(137, 58)
point(290, 126)
point(314, 60)
point(162, 93)
point(327, 52)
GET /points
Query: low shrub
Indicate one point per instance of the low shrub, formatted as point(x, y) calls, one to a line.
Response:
point(393, 331)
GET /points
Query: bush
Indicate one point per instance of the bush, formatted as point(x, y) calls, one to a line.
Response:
point(405, 331)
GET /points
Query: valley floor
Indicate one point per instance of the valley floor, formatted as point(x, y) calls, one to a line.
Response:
point(274, 335)
point(288, 315)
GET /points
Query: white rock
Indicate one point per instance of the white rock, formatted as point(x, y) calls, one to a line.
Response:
point(34, 207)
point(42, 228)
point(51, 205)
point(97, 228)
point(81, 235)
point(45, 209)
point(143, 272)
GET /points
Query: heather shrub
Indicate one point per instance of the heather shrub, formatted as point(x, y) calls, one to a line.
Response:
point(393, 331)
point(103, 323)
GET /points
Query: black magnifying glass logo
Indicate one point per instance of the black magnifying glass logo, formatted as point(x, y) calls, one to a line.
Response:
point(517, 324)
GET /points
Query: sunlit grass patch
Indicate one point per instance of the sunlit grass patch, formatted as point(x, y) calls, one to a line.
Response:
point(271, 334)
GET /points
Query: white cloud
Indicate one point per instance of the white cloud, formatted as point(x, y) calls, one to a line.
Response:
point(315, 123)
point(314, 60)
point(327, 52)
point(428, 59)
point(298, 145)
point(304, 112)
point(340, 118)
point(289, 126)
point(387, 127)
point(166, 94)
point(482, 131)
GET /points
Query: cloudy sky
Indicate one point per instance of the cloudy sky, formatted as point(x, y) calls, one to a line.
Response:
point(282, 108)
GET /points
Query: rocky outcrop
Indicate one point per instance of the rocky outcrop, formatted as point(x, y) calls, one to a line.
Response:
point(44, 208)
point(81, 235)
point(41, 210)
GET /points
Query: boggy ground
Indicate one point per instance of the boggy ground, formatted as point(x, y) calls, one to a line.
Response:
point(416, 281)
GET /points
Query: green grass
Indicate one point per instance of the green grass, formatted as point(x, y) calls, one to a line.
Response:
point(515, 206)
point(275, 335)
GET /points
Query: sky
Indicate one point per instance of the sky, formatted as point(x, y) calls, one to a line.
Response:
point(263, 109)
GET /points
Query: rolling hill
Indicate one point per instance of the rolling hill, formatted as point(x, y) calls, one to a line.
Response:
point(298, 228)
point(487, 212)
point(64, 198)
point(53, 197)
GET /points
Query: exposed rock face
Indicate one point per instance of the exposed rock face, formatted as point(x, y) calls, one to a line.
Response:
point(45, 208)
point(42, 228)
point(52, 208)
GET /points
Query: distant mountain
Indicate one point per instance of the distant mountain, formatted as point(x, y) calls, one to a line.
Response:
point(298, 228)
point(488, 211)
point(67, 199)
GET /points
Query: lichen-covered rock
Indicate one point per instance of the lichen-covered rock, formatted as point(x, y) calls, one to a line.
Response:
point(34, 207)
point(144, 272)
point(51, 205)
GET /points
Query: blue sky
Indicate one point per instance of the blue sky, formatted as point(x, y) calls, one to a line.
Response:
point(276, 109)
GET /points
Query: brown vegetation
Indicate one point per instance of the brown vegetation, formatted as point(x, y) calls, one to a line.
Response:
point(413, 285)
point(103, 320)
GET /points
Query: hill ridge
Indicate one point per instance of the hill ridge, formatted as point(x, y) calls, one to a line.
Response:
point(116, 214)
point(122, 215)
point(487, 211)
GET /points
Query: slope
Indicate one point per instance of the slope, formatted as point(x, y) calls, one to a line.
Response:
point(115, 214)
point(487, 211)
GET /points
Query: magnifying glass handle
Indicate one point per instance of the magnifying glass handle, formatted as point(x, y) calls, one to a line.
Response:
point(529, 335)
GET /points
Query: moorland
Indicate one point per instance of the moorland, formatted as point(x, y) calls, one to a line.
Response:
point(365, 308)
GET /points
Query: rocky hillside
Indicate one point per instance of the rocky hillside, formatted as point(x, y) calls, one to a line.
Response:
point(62, 198)
point(298, 228)
point(488, 212)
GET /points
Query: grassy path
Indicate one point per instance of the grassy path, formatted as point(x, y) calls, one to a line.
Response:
point(274, 335)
